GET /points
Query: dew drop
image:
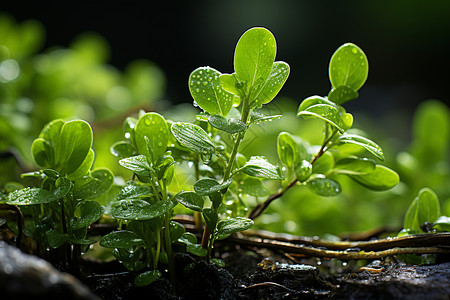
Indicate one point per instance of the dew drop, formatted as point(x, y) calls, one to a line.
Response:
point(354, 50)
point(205, 82)
point(147, 122)
point(160, 144)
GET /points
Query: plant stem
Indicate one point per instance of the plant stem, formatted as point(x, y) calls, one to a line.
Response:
point(169, 247)
point(158, 250)
point(259, 209)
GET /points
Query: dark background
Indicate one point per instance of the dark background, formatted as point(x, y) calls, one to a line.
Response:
point(407, 42)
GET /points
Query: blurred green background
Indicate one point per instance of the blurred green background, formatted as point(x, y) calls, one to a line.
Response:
point(103, 61)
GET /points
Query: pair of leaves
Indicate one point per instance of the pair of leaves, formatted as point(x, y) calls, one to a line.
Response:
point(65, 147)
point(424, 208)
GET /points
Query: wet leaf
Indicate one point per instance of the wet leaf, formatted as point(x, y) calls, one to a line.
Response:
point(342, 94)
point(146, 278)
point(190, 200)
point(152, 133)
point(254, 187)
point(86, 213)
point(134, 190)
point(287, 149)
point(190, 241)
point(424, 208)
point(363, 142)
point(207, 91)
point(138, 164)
point(193, 137)
point(348, 67)
point(323, 186)
point(273, 84)
point(207, 186)
point(258, 166)
point(139, 209)
point(229, 125)
point(121, 239)
point(354, 166)
point(303, 170)
point(325, 112)
point(123, 149)
point(232, 225)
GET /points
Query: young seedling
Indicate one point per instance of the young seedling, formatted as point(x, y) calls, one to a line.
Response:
point(316, 166)
point(256, 81)
point(64, 206)
point(144, 204)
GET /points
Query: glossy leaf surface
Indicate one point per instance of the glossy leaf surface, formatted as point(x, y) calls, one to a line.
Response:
point(207, 186)
point(258, 166)
point(324, 186)
point(139, 209)
point(154, 127)
point(367, 144)
point(424, 208)
point(325, 112)
point(354, 166)
point(190, 200)
point(226, 124)
point(382, 178)
point(193, 137)
point(121, 239)
point(232, 225)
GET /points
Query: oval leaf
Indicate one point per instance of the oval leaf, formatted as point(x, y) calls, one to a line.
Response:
point(138, 164)
point(190, 200)
point(342, 94)
point(123, 149)
point(121, 239)
point(363, 142)
point(154, 127)
point(324, 186)
point(87, 212)
point(288, 149)
point(325, 112)
point(207, 186)
point(193, 137)
point(232, 225)
point(205, 88)
point(253, 59)
point(133, 190)
point(382, 178)
point(258, 166)
point(424, 208)
point(273, 84)
point(74, 145)
point(354, 166)
point(226, 124)
point(348, 67)
point(139, 209)
point(146, 278)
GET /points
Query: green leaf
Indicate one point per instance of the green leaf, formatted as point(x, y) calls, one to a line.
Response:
point(211, 218)
point(74, 145)
point(86, 213)
point(288, 150)
point(253, 59)
point(123, 149)
point(323, 186)
point(154, 127)
point(63, 187)
point(258, 166)
point(51, 135)
point(190, 241)
point(84, 168)
point(232, 225)
point(382, 178)
point(325, 112)
point(207, 91)
point(348, 67)
point(442, 224)
point(257, 117)
point(272, 86)
point(230, 84)
point(42, 153)
point(226, 124)
point(207, 186)
point(121, 239)
point(139, 209)
point(55, 239)
point(176, 231)
point(146, 278)
point(303, 170)
point(94, 185)
point(133, 190)
point(363, 142)
point(323, 164)
point(138, 164)
point(193, 137)
point(342, 94)
point(31, 196)
point(190, 200)
point(314, 100)
point(424, 208)
point(354, 166)
point(254, 187)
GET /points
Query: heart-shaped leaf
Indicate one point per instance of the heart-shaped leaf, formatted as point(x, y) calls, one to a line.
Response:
point(348, 67)
point(382, 178)
point(323, 186)
point(121, 239)
point(205, 88)
point(153, 127)
point(190, 200)
point(193, 137)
